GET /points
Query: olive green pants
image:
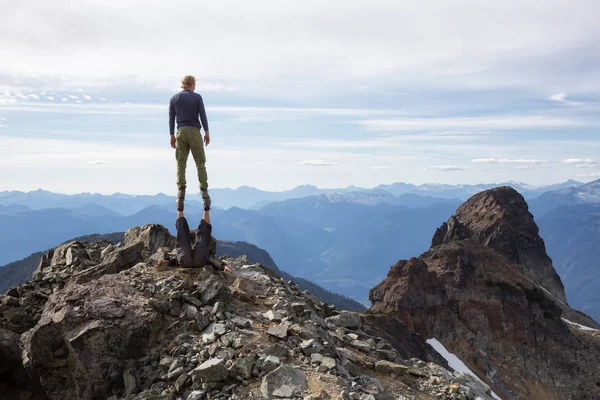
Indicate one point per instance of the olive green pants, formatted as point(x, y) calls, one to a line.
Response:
point(190, 138)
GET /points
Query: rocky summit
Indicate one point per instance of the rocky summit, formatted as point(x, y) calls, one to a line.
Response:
point(102, 321)
point(488, 292)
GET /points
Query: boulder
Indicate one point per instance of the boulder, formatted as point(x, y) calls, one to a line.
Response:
point(107, 250)
point(58, 255)
point(152, 236)
point(270, 363)
point(280, 331)
point(273, 315)
point(243, 366)
point(328, 363)
point(210, 287)
point(81, 351)
point(346, 319)
point(310, 346)
point(196, 395)
point(76, 253)
point(45, 262)
point(212, 370)
point(281, 380)
point(121, 259)
point(390, 367)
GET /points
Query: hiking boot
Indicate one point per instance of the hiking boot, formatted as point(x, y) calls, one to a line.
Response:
point(180, 198)
point(205, 199)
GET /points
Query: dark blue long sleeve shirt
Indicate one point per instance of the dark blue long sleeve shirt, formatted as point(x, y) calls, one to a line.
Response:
point(185, 106)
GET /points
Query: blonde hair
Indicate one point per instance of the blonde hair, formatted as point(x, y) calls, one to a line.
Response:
point(188, 81)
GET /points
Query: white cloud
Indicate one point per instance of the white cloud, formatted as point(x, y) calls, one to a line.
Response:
point(531, 166)
point(100, 162)
point(444, 168)
point(2, 119)
point(582, 162)
point(240, 113)
point(73, 97)
point(85, 96)
point(380, 167)
point(340, 144)
point(34, 96)
point(64, 99)
point(3, 126)
point(50, 98)
point(501, 123)
point(37, 152)
point(508, 161)
point(562, 98)
point(577, 160)
point(314, 41)
point(245, 113)
point(319, 163)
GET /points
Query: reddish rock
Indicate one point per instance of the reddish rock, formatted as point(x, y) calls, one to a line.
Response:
point(478, 290)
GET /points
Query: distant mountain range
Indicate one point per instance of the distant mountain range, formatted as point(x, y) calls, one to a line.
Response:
point(463, 192)
point(572, 236)
point(588, 193)
point(252, 198)
point(320, 238)
point(342, 240)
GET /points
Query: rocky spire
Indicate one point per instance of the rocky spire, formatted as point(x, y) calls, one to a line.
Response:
point(487, 290)
point(500, 219)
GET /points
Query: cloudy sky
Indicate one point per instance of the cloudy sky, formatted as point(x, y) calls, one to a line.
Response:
point(330, 93)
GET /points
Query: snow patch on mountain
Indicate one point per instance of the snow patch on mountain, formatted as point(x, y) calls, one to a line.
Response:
point(454, 362)
point(579, 326)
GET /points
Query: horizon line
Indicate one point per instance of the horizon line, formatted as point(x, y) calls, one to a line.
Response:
point(310, 185)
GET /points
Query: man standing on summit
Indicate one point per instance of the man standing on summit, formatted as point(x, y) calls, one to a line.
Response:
point(186, 106)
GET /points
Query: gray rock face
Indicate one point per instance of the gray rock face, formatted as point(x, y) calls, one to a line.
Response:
point(500, 219)
point(88, 341)
point(346, 319)
point(115, 262)
point(280, 381)
point(9, 350)
point(212, 370)
point(152, 236)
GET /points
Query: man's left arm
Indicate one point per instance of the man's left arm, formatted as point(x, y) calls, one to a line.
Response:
point(203, 120)
point(218, 265)
point(172, 124)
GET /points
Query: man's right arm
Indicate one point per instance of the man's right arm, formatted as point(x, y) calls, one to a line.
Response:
point(171, 118)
